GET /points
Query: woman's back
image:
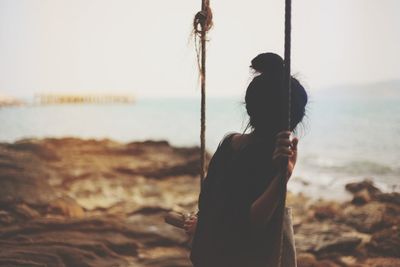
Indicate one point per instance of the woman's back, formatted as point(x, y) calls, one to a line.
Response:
point(239, 172)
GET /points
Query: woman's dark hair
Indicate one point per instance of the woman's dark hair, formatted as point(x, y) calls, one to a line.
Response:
point(264, 98)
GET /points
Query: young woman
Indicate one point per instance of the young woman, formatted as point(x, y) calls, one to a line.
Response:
point(238, 202)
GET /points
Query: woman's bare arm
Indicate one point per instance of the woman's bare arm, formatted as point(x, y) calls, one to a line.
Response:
point(264, 206)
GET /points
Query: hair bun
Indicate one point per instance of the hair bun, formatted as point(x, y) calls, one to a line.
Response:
point(269, 63)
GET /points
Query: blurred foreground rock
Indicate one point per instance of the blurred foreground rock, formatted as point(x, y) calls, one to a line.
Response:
point(72, 202)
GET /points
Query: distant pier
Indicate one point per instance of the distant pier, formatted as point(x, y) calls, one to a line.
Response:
point(46, 99)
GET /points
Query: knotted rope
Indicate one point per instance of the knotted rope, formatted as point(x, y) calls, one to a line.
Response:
point(203, 19)
point(202, 23)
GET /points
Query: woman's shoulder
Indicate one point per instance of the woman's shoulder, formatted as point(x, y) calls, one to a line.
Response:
point(234, 140)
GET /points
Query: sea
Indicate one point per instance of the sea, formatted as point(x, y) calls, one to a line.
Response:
point(347, 135)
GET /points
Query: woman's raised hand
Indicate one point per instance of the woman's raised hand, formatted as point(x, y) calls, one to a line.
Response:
point(285, 148)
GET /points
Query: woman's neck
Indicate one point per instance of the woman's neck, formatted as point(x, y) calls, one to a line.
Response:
point(262, 135)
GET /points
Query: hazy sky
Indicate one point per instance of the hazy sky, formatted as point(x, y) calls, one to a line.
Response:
point(143, 46)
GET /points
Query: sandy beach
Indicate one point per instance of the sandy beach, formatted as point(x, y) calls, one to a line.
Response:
point(74, 202)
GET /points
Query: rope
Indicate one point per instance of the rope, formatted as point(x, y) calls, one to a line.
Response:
point(287, 57)
point(202, 23)
point(287, 108)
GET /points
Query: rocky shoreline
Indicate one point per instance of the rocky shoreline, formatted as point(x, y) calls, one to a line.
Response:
point(73, 202)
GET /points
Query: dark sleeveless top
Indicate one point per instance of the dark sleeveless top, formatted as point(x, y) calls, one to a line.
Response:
point(224, 236)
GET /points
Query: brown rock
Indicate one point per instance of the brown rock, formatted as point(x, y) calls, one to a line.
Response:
point(383, 262)
point(110, 180)
point(385, 243)
point(359, 186)
point(393, 198)
point(361, 197)
point(322, 238)
point(348, 260)
point(306, 260)
point(326, 210)
point(36, 147)
point(96, 242)
point(23, 178)
point(372, 217)
point(66, 206)
point(66, 243)
point(338, 244)
point(26, 212)
point(327, 263)
point(190, 167)
point(6, 218)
